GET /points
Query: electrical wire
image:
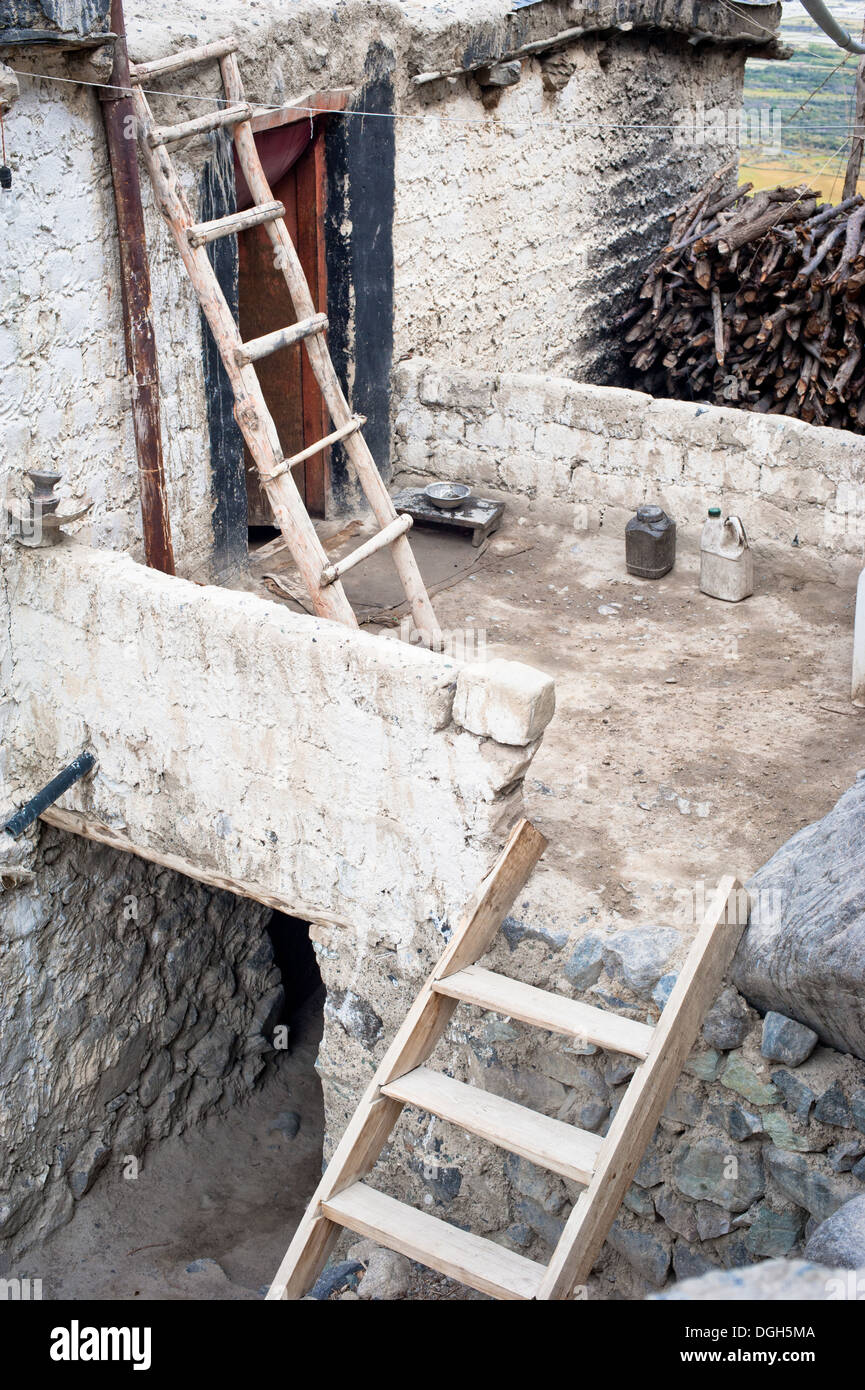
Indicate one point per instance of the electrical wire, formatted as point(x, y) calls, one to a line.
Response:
point(819, 87)
point(516, 123)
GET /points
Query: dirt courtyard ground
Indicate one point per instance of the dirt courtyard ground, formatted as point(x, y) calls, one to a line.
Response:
point(691, 737)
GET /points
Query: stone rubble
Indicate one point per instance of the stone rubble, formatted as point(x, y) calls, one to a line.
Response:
point(387, 1276)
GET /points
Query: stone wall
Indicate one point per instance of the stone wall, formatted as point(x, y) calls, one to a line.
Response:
point(762, 1139)
point(601, 451)
point(133, 1003)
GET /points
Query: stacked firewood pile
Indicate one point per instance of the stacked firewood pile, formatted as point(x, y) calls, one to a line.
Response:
point(758, 302)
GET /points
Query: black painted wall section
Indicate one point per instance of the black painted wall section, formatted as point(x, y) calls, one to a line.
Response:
point(227, 477)
point(360, 167)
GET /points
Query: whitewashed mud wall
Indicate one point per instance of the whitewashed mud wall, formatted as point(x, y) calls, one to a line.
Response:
point(64, 402)
point(520, 233)
point(320, 763)
point(363, 782)
point(510, 242)
point(607, 450)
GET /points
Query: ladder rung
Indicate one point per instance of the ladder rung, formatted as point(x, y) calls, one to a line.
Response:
point(472, 1260)
point(552, 1144)
point(282, 337)
point(474, 985)
point(386, 536)
point(235, 222)
point(170, 134)
point(356, 422)
point(190, 58)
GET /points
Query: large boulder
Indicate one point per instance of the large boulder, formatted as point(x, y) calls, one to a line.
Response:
point(769, 1282)
point(840, 1240)
point(803, 953)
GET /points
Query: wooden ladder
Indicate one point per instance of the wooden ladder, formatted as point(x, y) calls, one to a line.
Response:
point(604, 1166)
point(322, 579)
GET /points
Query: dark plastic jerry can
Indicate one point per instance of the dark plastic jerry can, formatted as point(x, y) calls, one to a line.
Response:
point(650, 543)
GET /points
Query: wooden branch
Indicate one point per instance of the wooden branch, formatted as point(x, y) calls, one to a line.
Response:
point(765, 282)
point(719, 325)
point(316, 104)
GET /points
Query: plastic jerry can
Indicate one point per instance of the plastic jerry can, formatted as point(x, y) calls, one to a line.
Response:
point(650, 543)
point(726, 559)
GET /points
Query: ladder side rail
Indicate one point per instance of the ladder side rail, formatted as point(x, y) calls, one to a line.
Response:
point(251, 412)
point(355, 445)
point(634, 1122)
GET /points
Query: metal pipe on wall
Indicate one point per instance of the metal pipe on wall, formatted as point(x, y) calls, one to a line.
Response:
point(32, 809)
point(821, 15)
point(141, 359)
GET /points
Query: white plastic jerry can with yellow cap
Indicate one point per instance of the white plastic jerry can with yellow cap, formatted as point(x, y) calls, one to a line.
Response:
point(726, 559)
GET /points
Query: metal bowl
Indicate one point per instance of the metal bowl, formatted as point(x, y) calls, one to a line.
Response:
point(448, 496)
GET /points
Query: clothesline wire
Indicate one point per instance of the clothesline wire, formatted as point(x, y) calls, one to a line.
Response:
point(518, 122)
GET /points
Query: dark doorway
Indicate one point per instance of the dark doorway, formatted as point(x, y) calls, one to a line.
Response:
point(287, 380)
point(294, 955)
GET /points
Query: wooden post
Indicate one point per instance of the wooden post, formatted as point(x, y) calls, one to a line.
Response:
point(854, 162)
point(141, 359)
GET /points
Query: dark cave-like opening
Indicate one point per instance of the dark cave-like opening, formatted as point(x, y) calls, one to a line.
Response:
point(294, 955)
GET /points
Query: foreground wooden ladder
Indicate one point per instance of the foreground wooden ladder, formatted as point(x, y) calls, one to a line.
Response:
point(605, 1166)
point(322, 579)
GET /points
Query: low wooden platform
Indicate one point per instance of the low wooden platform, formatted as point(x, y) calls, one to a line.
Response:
point(479, 515)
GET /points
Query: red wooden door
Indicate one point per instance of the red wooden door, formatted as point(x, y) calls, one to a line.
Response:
point(286, 377)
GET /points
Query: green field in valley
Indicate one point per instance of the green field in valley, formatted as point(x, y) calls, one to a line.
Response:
point(806, 106)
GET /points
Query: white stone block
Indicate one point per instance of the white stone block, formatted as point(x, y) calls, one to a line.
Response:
point(504, 700)
point(557, 441)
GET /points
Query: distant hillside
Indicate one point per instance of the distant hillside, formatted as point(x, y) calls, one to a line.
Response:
point(818, 122)
point(798, 26)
